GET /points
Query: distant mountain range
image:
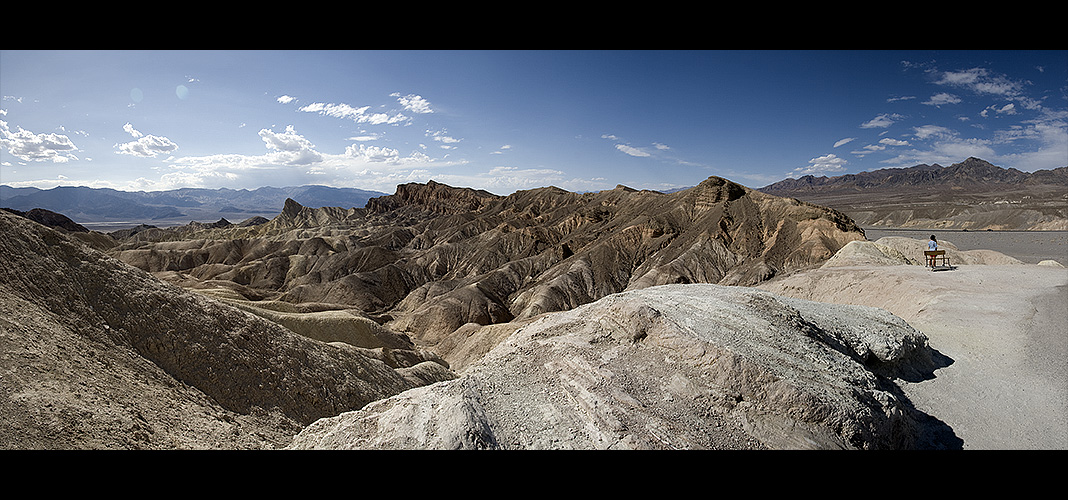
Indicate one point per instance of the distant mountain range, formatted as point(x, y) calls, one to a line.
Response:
point(972, 176)
point(972, 194)
point(93, 206)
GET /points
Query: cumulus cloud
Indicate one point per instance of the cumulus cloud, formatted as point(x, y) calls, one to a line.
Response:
point(130, 130)
point(290, 148)
point(146, 146)
point(291, 159)
point(285, 99)
point(824, 164)
point(442, 137)
point(413, 103)
point(373, 154)
point(28, 146)
point(358, 115)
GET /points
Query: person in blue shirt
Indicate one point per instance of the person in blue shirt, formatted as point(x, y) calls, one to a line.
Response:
point(932, 245)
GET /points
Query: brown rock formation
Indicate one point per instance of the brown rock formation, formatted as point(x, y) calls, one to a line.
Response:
point(431, 258)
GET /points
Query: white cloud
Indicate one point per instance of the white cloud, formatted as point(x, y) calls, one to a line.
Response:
point(289, 140)
point(291, 159)
point(1008, 109)
point(893, 142)
point(285, 99)
point(942, 98)
point(292, 148)
point(373, 154)
point(842, 142)
point(929, 131)
point(413, 103)
point(824, 164)
point(28, 146)
point(441, 136)
point(881, 146)
point(358, 115)
point(631, 150)
point(870, 148)
point(882, 121)
point(130, 130)
point(146, 146)
point(980, 81)
point(504, 180)
point(364, 138)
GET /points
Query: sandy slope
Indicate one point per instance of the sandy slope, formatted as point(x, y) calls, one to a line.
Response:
point(1003, 330)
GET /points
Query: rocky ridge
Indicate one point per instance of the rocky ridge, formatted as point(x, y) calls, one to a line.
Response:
point(431, 258)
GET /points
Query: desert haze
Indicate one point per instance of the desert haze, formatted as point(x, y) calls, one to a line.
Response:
point(440, 317)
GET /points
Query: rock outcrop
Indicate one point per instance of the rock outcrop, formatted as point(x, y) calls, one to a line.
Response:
point(692, 366)
point(898, 250)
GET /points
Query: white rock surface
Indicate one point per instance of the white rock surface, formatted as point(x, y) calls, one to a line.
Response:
point(668, 367)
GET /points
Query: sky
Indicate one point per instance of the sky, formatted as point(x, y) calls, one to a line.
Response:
point(512, 120)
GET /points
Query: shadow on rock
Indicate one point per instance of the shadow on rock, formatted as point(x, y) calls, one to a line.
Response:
point(930, 433)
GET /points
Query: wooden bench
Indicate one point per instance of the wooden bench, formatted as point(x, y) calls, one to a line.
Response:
point(933, 257)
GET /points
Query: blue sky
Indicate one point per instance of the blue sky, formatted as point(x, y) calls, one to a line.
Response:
point(509, 120)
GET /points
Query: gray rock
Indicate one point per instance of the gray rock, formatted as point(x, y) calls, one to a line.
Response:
point(668, 367)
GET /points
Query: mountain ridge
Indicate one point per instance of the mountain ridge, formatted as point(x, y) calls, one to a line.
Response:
point(973, 194)
point(972, 172)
